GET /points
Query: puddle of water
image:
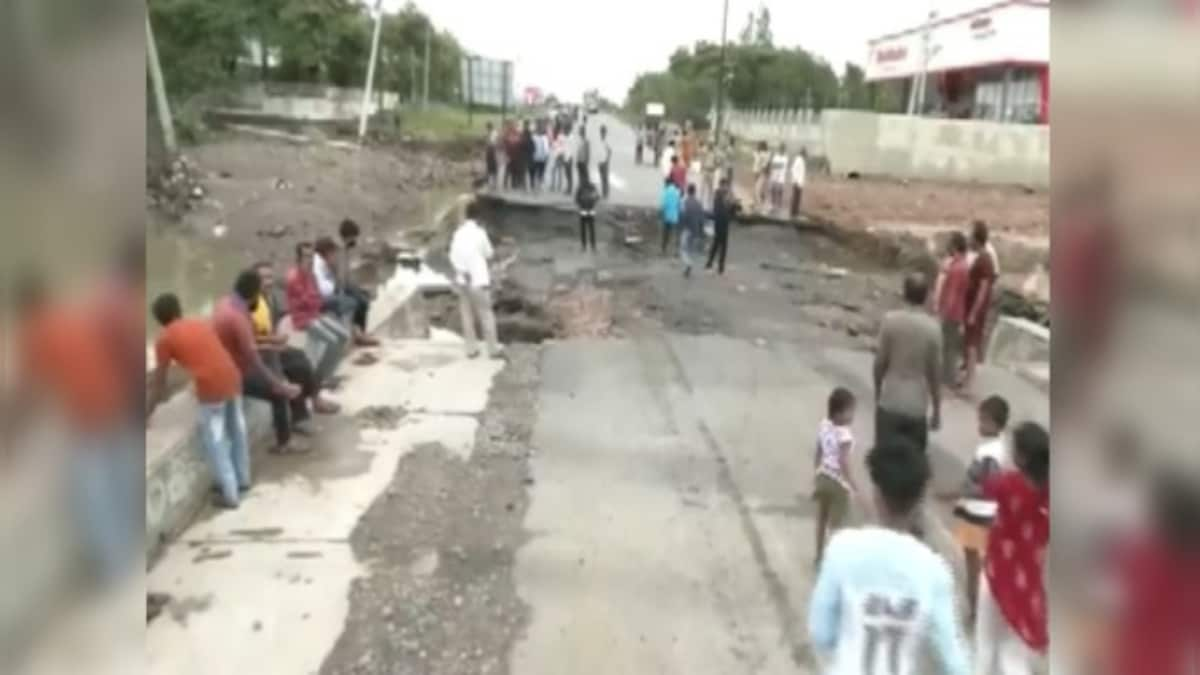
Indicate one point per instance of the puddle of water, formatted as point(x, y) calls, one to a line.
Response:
point(196, 268)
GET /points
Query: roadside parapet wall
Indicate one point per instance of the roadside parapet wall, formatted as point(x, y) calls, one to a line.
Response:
point(902, 146)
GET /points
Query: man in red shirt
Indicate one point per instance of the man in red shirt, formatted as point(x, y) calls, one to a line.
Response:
point(679, 174)
point(231, 319)
point(327, 339)
point(951, 299)
point(63, 359)
point(194, 345)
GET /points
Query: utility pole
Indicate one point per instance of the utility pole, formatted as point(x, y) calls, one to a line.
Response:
point(721, 78)
point(160, 92)
point(412, 74)
point(366, 102)
point(916, 97)
point(425, 90)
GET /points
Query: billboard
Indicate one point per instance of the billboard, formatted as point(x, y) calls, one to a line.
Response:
point(487, 82)
point(655, 110)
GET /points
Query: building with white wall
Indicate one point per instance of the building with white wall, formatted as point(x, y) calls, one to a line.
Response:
point(990, 63)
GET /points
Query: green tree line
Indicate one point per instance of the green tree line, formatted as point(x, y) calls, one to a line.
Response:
point(205, 46)
point(758, 74)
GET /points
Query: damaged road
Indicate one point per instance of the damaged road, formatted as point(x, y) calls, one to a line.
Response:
point(627, 494)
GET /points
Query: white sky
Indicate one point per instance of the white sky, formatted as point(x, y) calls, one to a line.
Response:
point(568, 46)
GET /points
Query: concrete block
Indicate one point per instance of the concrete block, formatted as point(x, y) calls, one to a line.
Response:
point(1018, 341)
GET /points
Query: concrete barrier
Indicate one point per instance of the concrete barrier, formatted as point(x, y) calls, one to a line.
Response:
point(178, 482)
point(903, 146)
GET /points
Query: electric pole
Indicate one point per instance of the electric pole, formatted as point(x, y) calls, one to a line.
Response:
point(160, 92)
point(721, 77)
point(412, 74)
point(366, 102)
point(425, 90)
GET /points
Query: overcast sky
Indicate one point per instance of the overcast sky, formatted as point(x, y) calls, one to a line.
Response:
point(567, 46)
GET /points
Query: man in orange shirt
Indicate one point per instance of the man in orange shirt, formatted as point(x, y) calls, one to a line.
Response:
point(194, 344)
point(63, 359)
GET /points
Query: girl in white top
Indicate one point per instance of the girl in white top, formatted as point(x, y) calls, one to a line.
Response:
point(834, 483)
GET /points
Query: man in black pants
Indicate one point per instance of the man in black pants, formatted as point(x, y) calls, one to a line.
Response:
point(725, 209)
point(231, 320)
point(586, 198)
point(908, 370)
point(583, 156)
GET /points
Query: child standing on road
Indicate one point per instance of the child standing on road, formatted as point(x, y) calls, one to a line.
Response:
point(833, 483)
point(974, 513)
point(1010, 628)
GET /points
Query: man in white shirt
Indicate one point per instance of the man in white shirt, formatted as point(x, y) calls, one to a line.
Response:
point(470, 251)
point(799, 175)
point(778, 169)
point(334, 298)
point(666, 164)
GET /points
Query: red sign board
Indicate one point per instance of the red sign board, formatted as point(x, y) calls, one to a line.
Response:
point(891, 54)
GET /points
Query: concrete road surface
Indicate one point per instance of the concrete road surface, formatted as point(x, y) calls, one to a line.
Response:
point(672, 530)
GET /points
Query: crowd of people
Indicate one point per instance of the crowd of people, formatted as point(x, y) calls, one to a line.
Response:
point(779, 176)
point(257, 344)
point(517, 157)
point(892, 576)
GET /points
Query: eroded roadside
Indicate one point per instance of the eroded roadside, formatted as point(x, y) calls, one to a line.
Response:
point(441, 545)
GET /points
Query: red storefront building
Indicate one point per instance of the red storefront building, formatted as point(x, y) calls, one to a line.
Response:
point(990, 63)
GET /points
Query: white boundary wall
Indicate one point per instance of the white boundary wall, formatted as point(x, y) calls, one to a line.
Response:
point(902, 146)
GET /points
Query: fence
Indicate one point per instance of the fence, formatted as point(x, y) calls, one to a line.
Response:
point(901, 146)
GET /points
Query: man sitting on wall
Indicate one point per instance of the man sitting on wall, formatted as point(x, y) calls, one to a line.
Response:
point(334, 299)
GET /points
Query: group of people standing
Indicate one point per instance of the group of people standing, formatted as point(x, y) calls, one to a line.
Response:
point(257, 344)
point(557, 144)
point(895, 575)
point(774, 172)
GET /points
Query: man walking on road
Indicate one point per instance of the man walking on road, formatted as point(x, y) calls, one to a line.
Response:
point(583, 156)
point(799, 176)
point(725, 209)
point(908, 370)
point(691, 230)
point(605, 161)
point(470, 252)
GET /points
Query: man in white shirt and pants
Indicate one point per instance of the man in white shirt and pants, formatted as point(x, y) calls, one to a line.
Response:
point(799, 175)
point(470, 251)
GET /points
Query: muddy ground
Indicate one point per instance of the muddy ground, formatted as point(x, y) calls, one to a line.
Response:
point(781, 284)
point(252, 199)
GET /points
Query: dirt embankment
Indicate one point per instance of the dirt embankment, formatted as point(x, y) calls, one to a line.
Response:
point(262, 196)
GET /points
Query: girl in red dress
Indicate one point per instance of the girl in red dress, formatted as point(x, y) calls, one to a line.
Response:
point(1010, 626)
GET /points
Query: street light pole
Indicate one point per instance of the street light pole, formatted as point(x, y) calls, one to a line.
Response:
point(721, 77)
point(366, 102)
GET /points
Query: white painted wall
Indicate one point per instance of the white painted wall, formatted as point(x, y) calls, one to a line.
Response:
point(907, 147)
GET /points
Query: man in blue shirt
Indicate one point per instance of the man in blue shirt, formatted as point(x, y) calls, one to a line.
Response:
point(671, 204)
point(881, 594)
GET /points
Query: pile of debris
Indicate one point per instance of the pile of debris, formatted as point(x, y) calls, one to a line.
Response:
point(176, 187)
point(583, 311)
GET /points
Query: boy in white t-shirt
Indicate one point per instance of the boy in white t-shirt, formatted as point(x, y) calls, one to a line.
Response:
point(833, 483)
point(973, 513)
point(882, 595)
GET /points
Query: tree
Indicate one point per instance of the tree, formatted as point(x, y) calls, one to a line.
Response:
point(747, 35)
point(762, 28)
point(761, 75)
point(854, 92)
